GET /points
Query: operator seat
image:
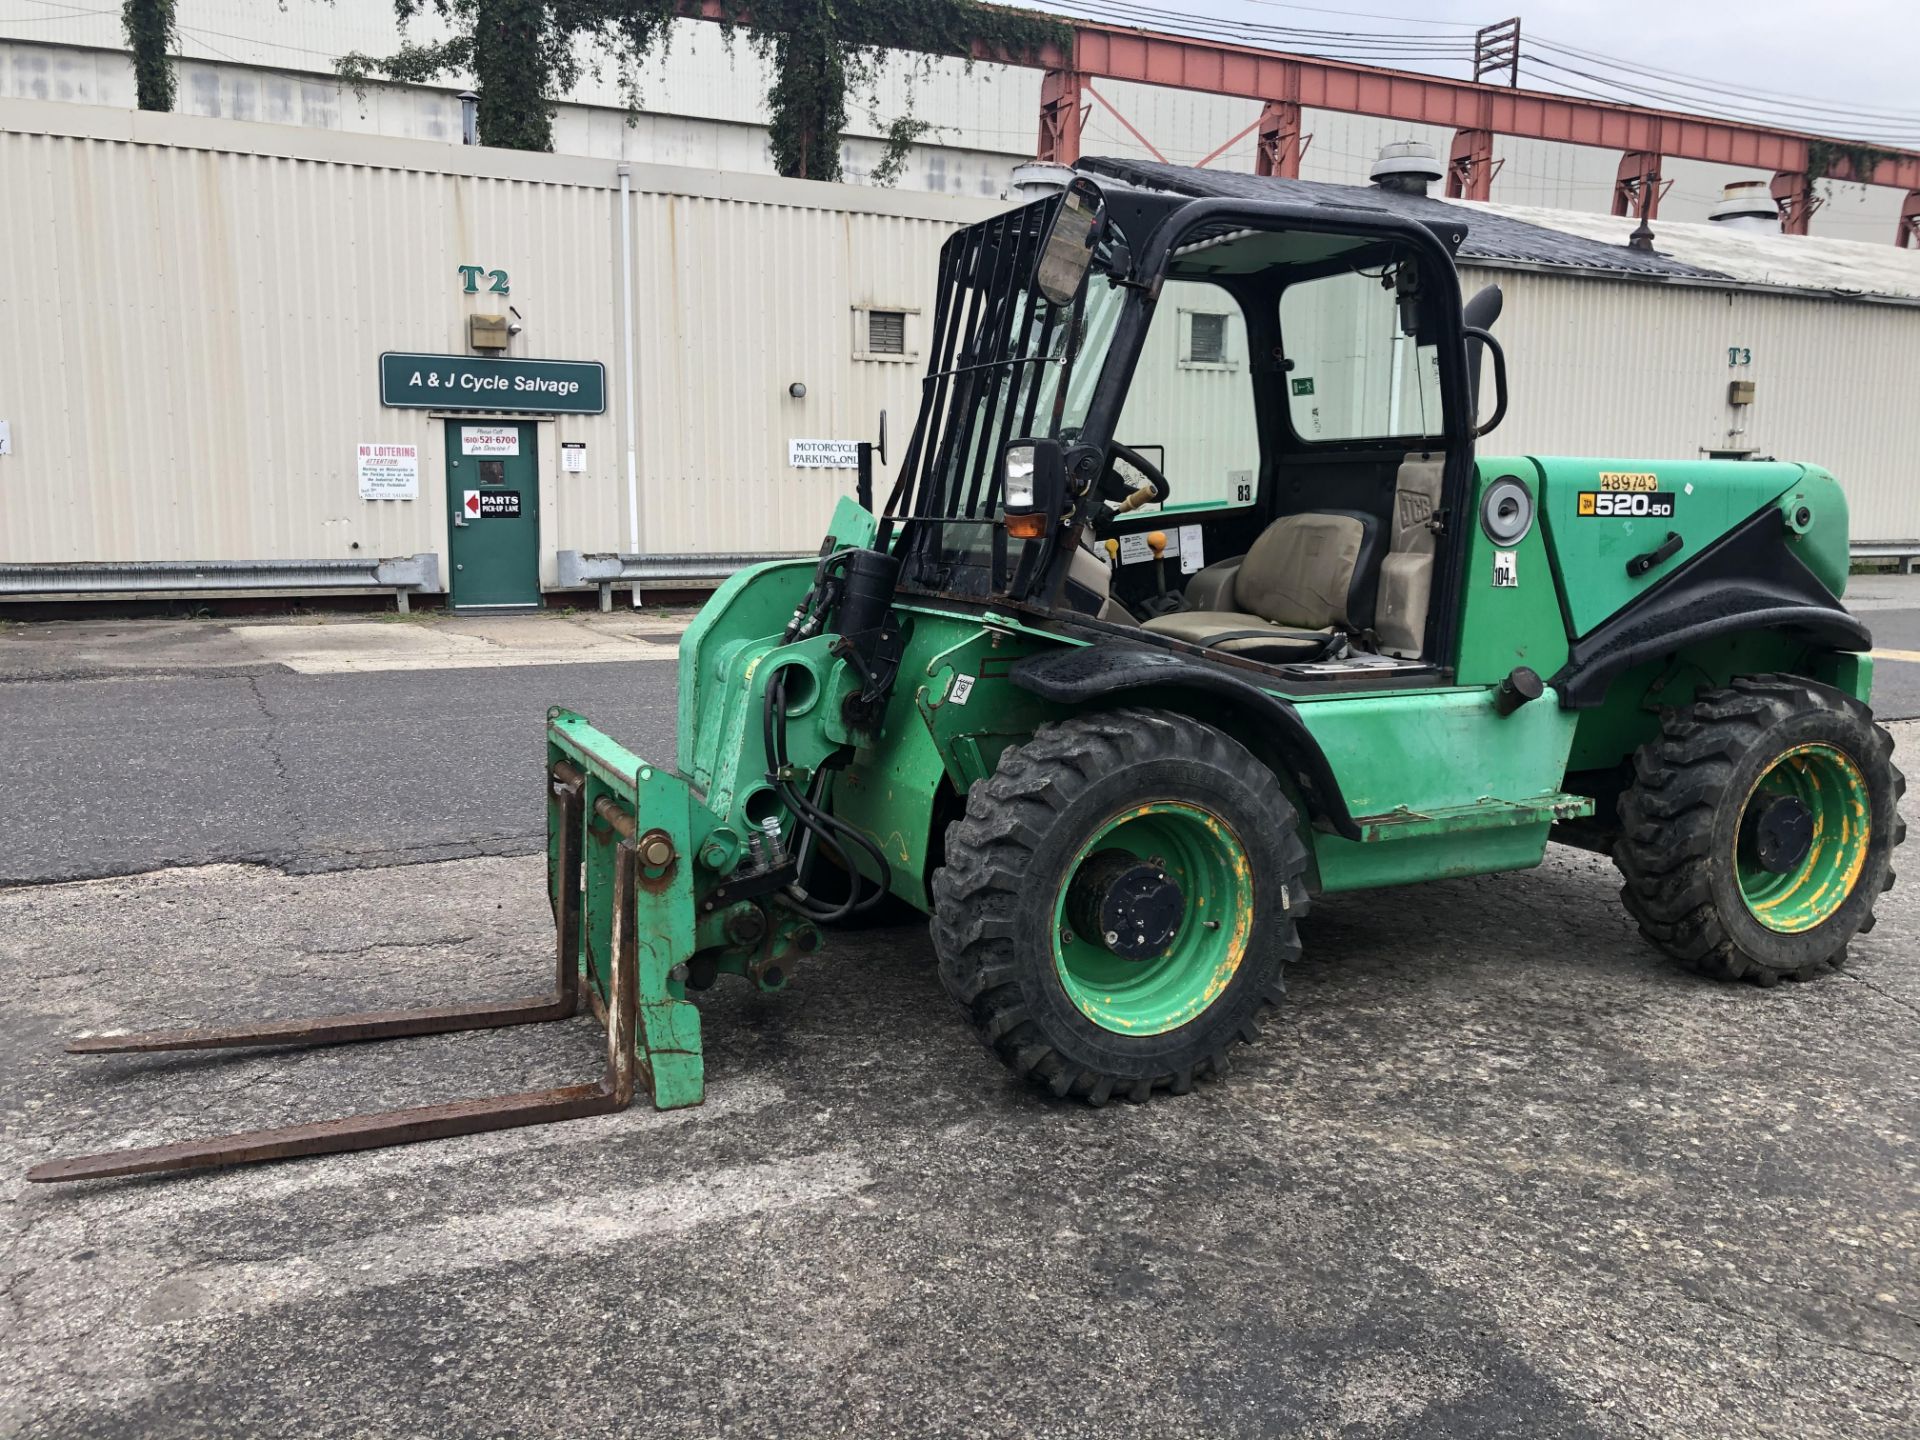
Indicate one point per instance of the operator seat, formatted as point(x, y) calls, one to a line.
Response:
point(1306, 577)
point(1406, 575)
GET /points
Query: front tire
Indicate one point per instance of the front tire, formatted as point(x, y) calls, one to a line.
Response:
point(1759, 829)
point(1118, 904)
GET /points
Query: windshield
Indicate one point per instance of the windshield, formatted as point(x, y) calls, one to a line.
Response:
point(1007, 365)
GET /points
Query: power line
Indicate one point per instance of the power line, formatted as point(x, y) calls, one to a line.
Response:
point(1758, 112)
point(1640, 68)
point(1125, 13)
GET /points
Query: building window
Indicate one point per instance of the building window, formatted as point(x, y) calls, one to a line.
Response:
point(1206, 340)
point(1209, 345)
point(883, 334)
point(887, 332)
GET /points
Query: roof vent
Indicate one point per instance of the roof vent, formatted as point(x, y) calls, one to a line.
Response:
point(1747, 205)
point(1037, 179)
point(1407, 166)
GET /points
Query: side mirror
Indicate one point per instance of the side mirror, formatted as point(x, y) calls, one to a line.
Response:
point(1066, 252)
point(1492, 347)
point(1479, 313)
point(1033, 486)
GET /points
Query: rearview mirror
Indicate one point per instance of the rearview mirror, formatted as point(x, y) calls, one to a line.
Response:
point(1066, 254)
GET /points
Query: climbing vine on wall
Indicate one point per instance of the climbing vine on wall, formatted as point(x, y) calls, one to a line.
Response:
point(524, 53)
point(1825, 156)
point(148, 27)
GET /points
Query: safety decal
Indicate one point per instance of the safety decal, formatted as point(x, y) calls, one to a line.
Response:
point(962, 687)
point(1604, 503)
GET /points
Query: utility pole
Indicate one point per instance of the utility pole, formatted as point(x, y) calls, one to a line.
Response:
point(1497, 48)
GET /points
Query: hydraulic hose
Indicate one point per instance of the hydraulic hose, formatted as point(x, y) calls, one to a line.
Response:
point(824, 827)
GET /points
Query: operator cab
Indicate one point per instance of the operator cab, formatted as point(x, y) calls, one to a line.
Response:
point(1231, 427)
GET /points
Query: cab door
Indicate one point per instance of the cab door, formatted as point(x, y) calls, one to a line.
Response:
point(493, 535)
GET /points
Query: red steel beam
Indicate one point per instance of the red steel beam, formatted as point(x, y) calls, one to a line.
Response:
point(1181, 62)
point(1190, 64)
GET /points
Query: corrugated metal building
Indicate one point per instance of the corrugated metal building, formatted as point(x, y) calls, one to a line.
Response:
point(192, 315)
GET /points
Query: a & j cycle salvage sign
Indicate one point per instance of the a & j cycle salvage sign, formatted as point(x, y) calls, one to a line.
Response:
point(468, 382)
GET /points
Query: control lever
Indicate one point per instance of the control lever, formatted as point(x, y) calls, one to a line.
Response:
point(1160, 602)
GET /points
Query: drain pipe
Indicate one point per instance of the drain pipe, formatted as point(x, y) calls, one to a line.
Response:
point(626, 325)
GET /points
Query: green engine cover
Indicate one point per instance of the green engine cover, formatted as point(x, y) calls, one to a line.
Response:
point(1599, 514)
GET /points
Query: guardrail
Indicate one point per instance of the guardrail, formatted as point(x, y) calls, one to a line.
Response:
point(1906, 552)
point(604, 571)
point(402, 575)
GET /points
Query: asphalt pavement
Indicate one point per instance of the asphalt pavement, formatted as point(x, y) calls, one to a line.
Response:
point(115, 776)
point(1496, 1170)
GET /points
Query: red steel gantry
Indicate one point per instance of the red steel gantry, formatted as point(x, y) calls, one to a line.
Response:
point(1286, 84)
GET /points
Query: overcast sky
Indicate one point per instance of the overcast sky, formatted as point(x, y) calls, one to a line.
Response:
point(1845, 53)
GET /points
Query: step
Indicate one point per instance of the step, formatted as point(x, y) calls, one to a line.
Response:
point(1487, 813)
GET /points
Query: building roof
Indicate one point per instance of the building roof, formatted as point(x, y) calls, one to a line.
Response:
point(1498, 234)
point(1796, 262)
point(1492, 236)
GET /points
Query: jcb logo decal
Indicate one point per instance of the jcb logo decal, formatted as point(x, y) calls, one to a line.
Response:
point(1604, 503)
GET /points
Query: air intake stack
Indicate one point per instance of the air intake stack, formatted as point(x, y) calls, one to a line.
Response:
point(1407, 166)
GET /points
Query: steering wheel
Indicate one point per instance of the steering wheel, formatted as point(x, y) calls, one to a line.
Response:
point(1121, 495)
point(1110, 486)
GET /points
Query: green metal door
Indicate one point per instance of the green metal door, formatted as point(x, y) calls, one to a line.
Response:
point(493, 496)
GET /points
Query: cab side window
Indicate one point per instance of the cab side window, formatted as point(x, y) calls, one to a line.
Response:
point(1190, 408)
point(1351, 373)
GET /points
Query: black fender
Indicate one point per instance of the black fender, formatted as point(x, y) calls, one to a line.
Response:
point(1749, 579)
point(1083, 674)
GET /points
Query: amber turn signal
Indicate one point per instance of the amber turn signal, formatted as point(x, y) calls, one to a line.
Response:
point(1027, 527)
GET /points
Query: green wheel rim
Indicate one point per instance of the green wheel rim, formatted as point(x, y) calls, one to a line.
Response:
point(1830, 786)
point(1201, 855)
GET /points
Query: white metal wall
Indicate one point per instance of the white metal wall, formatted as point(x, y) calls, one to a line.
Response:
point(191, 314)
point(1601, 367)
point(193, 311)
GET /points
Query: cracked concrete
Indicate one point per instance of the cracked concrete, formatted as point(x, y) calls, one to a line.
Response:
point(1497, 1170)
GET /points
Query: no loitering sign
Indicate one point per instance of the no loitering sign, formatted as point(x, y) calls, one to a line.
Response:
point(389, 472)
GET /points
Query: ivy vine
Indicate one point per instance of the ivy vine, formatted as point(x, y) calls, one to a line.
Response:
point(1824, 156)
point(148, 27)
point(524, 53)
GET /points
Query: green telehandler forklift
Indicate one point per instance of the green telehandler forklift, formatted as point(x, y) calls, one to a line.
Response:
point(1193, 601)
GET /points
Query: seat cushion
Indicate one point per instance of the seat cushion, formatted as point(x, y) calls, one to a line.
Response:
point(1300, 572)
point(1240, 634)
point(1406, 576)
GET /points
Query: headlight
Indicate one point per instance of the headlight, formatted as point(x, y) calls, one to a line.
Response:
point(1019, 486)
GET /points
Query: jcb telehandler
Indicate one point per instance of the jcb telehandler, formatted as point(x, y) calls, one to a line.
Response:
point(1194, 601)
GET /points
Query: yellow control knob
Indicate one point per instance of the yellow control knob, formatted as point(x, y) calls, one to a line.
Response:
point(1113, 549)
point(1156, 542)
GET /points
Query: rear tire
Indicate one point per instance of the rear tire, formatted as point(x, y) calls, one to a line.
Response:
point(1094, 808)
point(1759, 829)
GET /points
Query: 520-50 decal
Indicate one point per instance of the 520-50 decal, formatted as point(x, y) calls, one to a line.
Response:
point(1656, 503)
